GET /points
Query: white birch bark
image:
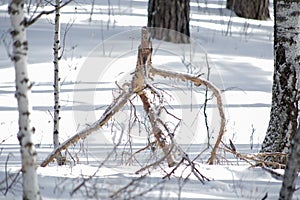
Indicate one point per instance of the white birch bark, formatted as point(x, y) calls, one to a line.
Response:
point(284, 111)
point(56, 49)
point(19, 57)
point(57, 56)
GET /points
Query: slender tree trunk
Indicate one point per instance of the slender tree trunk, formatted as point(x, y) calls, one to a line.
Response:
point(169, 20)
point(56, 51)
point(19, 57)
point(252, 9)
point(291, 171)
point(284, 110)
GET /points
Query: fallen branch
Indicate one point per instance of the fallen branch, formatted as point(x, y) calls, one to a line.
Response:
point(199, 81)
point(139, 83)
point(257, 159)
point(109, 112)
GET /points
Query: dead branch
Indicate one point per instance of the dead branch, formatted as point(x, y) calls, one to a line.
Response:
point(199, 81)
point(99, 167)
point(10, 179)
point(132, 156)
point(157, 132)
point(195, 171)
point(130, 184)
point(257, 159)
point(140, 82)
point(143, 65)
point(158, 161)
point(109, 112)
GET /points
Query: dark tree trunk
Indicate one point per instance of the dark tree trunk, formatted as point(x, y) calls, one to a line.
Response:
point(252, 9)
point(169, 20)
point(284, 111)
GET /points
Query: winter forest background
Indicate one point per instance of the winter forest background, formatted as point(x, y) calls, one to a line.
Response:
point(202, 104)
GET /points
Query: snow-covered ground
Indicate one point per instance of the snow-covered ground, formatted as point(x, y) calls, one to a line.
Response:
point(96, 54)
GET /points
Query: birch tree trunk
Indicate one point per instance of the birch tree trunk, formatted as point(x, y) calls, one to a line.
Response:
point(19, 57)
point(56, 51)
point(169, 20)
point(254, 9)
point(56, 85)
point(291, 171)
point(284, 110)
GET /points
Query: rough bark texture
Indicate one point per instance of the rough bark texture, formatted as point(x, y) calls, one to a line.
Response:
point(291, 171)
point(169, 20)
point(19, 57)
point(252, 9)
point(284, 110)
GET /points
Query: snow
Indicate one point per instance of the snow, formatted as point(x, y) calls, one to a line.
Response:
point(240, 53)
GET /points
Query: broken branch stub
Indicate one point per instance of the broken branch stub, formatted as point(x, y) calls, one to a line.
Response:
point(143, 66)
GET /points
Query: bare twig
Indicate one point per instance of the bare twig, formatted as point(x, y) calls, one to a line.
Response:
point(139, 151)
point(156, 162)
point(256, 159)
point(131, 183)
point(10, 179)
point(205, 104)
point(33, 19)
point(99, 167)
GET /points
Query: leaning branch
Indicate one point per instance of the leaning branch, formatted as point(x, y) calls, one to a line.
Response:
point(199, 81)
point(109, 112)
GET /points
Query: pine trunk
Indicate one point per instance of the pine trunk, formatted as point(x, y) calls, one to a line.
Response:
point(169, 20)
point(19, 57)
point(284, 110)
point(254, 9)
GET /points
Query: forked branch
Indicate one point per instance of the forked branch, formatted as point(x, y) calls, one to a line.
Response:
point(139, 83)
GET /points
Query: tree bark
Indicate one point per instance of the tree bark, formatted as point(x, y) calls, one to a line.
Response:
point(57, 56)
point(254, 9)
point(291, 171)
point(19, 57)
point(169, 20)
point(284, 111)
point(56, 52)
